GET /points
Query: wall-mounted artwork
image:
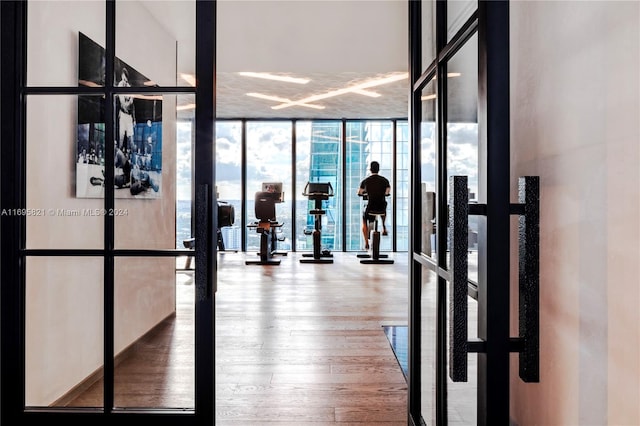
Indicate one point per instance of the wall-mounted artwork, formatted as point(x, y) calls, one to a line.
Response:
point(138, 131)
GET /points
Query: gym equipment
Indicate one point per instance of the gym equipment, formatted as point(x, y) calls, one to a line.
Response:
point(374, 235)
point(318, 192)
point(266, 226)
point(226, 217)
point(275, 188)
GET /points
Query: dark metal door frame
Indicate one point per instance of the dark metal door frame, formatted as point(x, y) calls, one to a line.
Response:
point(492, 291)
point(13, 93)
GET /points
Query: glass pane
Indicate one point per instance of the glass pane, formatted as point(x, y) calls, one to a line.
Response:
point(356, 169)
point(428, 164)
point(229, 178)
point(462, 397)
point(154, 334)
point(458, 11)
point(53, 39)
point(269, 150)
point(428, 32)
point(403, 176)
point(367, 141)
point(145, 173)
point(64, 323)
point(428, 351)
point(462, 131)
point(304, 221)
point(63, 152)
point(319, 159)
point(184, 180)
point(165, 55)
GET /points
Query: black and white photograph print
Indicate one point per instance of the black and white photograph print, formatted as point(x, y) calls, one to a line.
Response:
point(138, 131)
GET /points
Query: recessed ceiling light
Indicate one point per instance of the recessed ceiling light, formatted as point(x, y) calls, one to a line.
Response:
point(367, 93)
point(356, 88)
point(267, 97)
point(268, 76)
point(278, 99)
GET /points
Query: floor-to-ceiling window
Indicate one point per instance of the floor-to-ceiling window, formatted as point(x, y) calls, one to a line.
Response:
point(268, 159)
point(229, 177)
point(318, 159)
point(401, 196)
point(295, 152)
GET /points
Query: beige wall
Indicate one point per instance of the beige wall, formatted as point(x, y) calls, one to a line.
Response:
point(575, 123)
point(64, 296)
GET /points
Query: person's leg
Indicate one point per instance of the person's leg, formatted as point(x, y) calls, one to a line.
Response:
point(365, 231)
point(384, 227)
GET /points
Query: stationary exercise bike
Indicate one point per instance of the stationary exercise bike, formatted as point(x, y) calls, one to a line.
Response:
point(318, 192)
point(266, 226)
point(374, 236)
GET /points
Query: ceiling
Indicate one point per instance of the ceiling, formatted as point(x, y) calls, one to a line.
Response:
point(333, 44)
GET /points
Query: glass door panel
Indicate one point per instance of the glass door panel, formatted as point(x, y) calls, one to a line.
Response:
point(64, 323)
point(462, 134)
point(155, 42)
point(61, 211)
point(145, 165)
point(458, 11)
point(154, 334)
point(462, 397)
point(104, 319)
point(429, 345)
point(428, 32)
point(53, 43)
point(428, 164)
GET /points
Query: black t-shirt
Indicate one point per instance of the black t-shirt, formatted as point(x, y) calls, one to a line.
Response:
point(376, 188)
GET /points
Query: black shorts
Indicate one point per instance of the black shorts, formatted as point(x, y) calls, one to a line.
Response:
point(366, 217)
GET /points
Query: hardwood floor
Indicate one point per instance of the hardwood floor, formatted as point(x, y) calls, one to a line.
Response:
point(296, 344)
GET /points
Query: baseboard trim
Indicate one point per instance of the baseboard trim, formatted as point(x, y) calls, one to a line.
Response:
point(98, 374)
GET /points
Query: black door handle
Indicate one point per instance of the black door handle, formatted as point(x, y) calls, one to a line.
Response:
point(203, 242)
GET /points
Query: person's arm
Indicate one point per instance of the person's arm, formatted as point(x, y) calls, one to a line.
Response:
point(361, 188)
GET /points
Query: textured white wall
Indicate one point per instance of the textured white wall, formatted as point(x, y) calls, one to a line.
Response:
point(575, 114)
point(64, 296)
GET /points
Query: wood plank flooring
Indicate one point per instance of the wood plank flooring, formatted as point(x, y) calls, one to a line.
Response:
point(296, 344)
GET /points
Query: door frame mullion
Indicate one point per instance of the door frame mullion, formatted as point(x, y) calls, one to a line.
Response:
point(204, 177)
point(109, 203)
point(494, 265)
point(12, 272)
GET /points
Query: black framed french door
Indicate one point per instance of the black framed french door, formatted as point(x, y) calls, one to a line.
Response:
point(91, 97)
point(459, 341)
